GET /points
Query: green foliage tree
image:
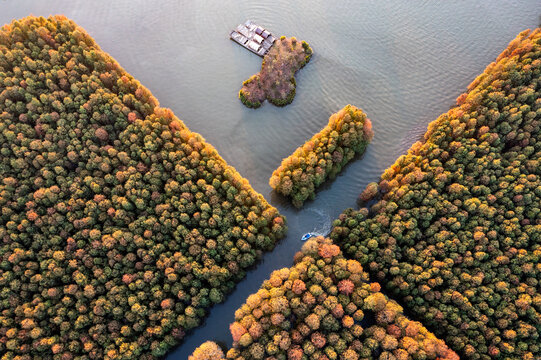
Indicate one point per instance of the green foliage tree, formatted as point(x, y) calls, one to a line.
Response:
point(119, 227)
point(323, 307)
point(456, 230)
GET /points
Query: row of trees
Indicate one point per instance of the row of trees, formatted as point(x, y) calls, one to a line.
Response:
point(119, 227)
point(456, 229)
point(276, 80)
point(324, 308)
point(322, 157)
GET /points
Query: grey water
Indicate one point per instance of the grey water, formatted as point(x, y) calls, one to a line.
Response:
point(403, 62)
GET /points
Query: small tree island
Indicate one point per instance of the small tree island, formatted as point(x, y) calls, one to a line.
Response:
point(322, 157)
point(276, 80)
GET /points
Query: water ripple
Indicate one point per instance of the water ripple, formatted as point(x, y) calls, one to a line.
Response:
point(402, 62)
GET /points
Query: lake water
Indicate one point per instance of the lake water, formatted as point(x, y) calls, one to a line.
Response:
point(402, 62)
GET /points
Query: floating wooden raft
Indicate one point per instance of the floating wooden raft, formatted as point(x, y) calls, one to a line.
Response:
point(253, 37)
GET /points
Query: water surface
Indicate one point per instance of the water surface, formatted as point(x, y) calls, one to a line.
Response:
point(402, 62)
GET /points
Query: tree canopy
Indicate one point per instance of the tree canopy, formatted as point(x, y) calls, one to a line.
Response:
point(455, 233)
point(119, 226)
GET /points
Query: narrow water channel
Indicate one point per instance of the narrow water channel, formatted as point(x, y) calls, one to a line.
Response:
point(402, 62)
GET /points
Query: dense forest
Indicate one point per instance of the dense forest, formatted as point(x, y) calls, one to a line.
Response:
point(455, 233)
point(322, 157)
point(324, 307)
point(276, 80)
point(119, 226)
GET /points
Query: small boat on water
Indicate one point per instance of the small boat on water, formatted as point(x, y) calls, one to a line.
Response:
point(307, 236)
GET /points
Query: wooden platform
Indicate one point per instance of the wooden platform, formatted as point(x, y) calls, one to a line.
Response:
point(253, 37)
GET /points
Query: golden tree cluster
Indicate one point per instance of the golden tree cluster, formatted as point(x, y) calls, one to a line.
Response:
point(456, 230)
point(324, 308)
point(119, 227)
point(322, 157)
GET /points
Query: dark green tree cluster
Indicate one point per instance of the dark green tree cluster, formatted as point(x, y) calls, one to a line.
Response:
point(119, 227)
point(323, 308)
point(322, 157)
point(276, 80)
point(456, 230)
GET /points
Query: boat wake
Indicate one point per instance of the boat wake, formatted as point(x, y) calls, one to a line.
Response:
point(323, 225)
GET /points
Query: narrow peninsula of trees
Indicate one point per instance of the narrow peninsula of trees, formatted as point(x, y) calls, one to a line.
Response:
point(119, 227)
point(455, 233)
point(322, 157)
point(324, 308)
point(276, 80)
